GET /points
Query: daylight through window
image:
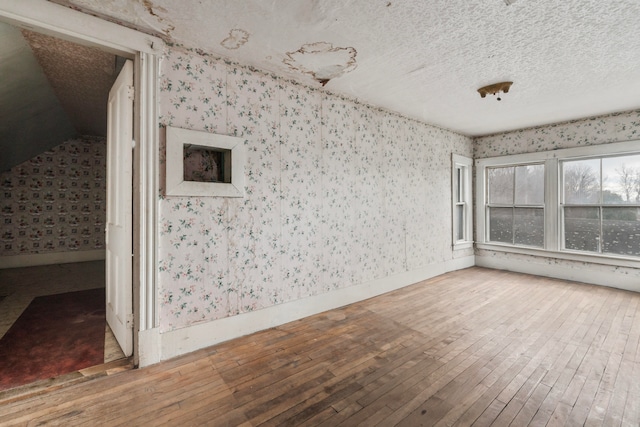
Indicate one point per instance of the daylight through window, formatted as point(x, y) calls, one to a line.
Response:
point(574, 202)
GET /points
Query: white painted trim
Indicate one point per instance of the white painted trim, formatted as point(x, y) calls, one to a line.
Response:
point(465, 164)
point(30, 260)
point(581, 273)
point(146, 173)
point(186, 340)
point(59, 21)
point(552, 222)
point(618, 261)
point(148, 347)
point(176, 185)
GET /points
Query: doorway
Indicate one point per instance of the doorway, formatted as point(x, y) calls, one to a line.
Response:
point(145, 51)
point(54, 202)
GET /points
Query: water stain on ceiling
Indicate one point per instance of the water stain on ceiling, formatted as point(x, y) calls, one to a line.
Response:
point(237, 38)
point(322, 61)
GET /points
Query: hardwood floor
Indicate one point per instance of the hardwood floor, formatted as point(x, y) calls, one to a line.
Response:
point(473, 347)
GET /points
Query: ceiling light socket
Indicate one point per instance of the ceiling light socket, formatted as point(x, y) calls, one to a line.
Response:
point(495, 89)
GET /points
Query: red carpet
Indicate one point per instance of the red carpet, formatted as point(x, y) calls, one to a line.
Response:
point(55, 335)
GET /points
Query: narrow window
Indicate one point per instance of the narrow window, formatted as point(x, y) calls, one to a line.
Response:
point(461, 197)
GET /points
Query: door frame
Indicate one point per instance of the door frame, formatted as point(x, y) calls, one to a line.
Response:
point(65, 23)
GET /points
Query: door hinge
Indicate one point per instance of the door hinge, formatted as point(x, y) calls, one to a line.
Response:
point(130, 321)
point(133, 143)
point(130, 92)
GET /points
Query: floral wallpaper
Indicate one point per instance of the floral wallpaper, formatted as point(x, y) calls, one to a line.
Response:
point(55, 202)
point(591, 131)
point(337, 193)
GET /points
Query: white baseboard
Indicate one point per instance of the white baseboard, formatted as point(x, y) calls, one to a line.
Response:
point(186, 340)
point(30, 260)
point(581, 273)
point(148, 347)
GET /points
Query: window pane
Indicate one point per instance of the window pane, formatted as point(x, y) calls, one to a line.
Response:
point(501, 225)
point(582, 228)
point(460, 222)
point(528, 227)
point(621, 231)
point(530, 185)
point(501, 185)
point(621, 179)
point(581, 180)
point(458, 184)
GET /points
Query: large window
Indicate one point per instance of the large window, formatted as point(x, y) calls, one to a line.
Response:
point(601, 205)
point(574, 202)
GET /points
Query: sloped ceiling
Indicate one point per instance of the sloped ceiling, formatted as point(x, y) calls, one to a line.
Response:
point(32, 118)
point(50, 91)
point(425, 59)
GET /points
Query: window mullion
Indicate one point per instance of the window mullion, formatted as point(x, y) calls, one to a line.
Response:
point(552, 205)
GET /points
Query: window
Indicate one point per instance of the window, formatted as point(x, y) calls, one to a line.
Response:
point(461, 197)
point(577, 203)
point(601, 205)
point(515, 210)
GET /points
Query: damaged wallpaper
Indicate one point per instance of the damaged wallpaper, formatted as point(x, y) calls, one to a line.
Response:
point(55, 202)
point(337, 194)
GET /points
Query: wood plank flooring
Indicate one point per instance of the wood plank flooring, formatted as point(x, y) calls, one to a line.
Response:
point(473, 347)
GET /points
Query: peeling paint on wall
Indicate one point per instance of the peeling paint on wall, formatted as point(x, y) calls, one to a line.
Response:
point(322, 61)
point(237, 38)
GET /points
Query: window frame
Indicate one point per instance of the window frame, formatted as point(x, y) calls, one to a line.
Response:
point(554, 237)
point(513, 205)
point(600, 204)
point(462, 166)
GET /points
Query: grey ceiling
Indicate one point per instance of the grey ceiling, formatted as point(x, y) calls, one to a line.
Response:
point(50, 91)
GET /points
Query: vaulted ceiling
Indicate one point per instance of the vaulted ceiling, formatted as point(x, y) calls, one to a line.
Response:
point(425, 59)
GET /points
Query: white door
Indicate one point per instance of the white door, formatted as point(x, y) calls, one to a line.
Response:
point(119, 292)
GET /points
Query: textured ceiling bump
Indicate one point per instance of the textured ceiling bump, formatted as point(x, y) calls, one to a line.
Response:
point(426, 59)
point(81, 78)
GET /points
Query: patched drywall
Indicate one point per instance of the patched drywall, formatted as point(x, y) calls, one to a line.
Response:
point(55, 202)
point(337, 194)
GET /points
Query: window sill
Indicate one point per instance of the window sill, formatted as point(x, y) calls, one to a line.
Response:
point(618, 261)
point(462, 245)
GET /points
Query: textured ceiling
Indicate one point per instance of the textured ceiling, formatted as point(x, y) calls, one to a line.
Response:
point(425, 59)
point(80, 76)
point(51, 90)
